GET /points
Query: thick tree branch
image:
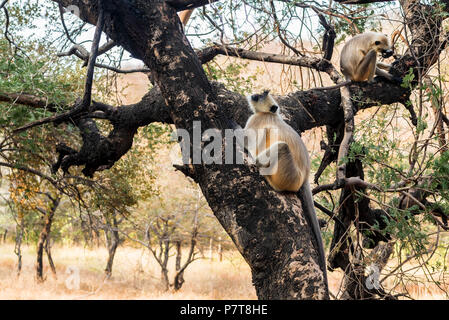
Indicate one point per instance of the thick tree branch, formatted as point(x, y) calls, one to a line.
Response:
point(315, 63)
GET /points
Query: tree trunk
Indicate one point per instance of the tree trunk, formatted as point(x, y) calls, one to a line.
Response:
point(113, 242)
point(165, 279)
point(18, 246)
point(179, 277)
point(45, 232)
point(165, 250)
point(220, 250)
point(211, 252)
point(358, 286)
point(49, 257)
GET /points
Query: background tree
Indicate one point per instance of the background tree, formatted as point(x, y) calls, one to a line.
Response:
point(166, 226)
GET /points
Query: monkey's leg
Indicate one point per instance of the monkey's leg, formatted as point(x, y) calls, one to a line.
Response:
point(366, 68)
point(269, 156)
point(281, 169)
point(384, 74)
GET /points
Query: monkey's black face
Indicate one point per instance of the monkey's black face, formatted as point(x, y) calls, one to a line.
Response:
point(273, 109)
point(387, 53)
point(257, 97)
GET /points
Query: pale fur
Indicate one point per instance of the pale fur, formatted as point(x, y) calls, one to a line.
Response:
point(293, 160)
point(358, 59)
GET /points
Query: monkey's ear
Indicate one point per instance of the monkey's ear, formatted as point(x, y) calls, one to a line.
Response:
point(265, 93)
point(255, 97)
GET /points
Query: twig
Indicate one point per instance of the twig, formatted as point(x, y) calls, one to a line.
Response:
point(329, 213)
point(278, 29)
point(344, 183)
point(93, 56)
point(61, 14)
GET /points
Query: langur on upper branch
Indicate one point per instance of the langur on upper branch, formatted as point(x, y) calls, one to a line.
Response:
point(358, 59)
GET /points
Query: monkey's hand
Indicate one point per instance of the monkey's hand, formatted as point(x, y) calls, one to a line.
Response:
point(262, 162)
point(396, 80)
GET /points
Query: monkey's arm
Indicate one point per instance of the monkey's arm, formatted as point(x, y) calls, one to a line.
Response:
point(384, 66)
point(248, 143)
point(270, 156)
point(366, 68)
point(384, 74)
point(338, 85)
point(388, 76)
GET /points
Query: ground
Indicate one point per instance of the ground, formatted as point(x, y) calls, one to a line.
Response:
point(137, 276)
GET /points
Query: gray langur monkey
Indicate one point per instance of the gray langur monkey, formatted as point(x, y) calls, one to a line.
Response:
point(358, 59)
point(291, 155)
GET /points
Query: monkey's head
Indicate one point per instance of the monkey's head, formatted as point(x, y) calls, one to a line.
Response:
point(263, 102)
point(381, 44)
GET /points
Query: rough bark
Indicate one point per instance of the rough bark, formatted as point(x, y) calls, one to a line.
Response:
point(164, 255)
point(18, 246)
point(179, 277)
point(47, 248)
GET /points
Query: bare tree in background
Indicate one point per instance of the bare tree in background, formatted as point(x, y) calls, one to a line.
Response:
point(44, 236)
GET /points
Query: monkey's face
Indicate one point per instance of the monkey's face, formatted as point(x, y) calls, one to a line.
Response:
point(263, 103)
point(259, 97)
point(382, 46)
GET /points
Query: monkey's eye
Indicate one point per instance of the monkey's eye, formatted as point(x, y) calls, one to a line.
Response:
point(255, 97)
point(377, 43)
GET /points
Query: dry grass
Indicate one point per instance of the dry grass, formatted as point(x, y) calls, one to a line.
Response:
point(135, 276)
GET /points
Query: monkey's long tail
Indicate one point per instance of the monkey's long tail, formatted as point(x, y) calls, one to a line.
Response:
point(310, 214)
